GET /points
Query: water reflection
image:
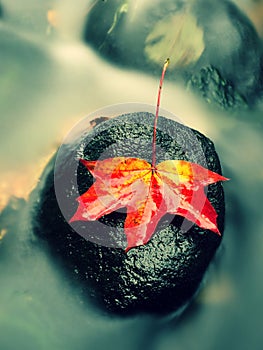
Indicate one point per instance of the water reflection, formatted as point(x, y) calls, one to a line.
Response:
point(47, 85)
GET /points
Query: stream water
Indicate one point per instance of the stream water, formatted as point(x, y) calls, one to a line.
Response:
point(50, 79)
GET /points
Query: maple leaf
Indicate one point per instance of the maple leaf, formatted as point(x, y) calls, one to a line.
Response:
point(148, 192)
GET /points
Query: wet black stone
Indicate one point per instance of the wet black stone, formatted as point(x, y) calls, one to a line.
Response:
point(159, 277)
point(215, 90)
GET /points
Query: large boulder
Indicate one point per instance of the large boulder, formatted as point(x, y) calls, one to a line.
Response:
point(195, 35)
point(159, 277)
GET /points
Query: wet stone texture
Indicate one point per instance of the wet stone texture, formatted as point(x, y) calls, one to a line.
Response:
point(209, 84)
point(161, 276)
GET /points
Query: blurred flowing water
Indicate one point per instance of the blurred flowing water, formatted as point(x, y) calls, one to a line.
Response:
point(49, 80)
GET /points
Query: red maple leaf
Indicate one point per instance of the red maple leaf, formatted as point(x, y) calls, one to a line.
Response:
point(148, 191)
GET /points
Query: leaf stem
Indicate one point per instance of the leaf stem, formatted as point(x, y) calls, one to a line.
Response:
point(166, 64)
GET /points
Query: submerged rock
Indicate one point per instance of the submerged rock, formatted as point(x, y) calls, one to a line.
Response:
point(159, 277)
